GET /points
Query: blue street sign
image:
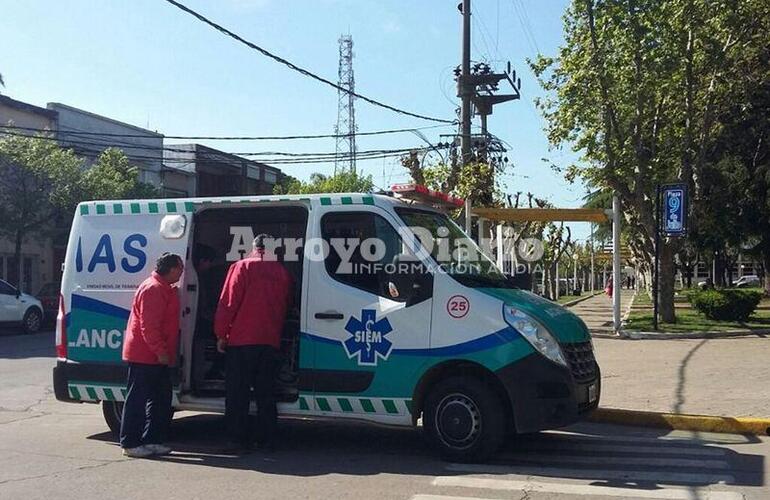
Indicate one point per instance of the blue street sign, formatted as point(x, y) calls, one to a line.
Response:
point(674, 209)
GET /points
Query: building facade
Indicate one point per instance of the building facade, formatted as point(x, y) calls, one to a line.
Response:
point(197, 170)
point(179, 170)
point(38, 254)
point(89, 134)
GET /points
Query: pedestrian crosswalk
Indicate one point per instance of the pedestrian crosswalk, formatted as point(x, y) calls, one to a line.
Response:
point(584, 465)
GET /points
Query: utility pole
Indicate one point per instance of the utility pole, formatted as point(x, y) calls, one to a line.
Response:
point(593, 272)
point(464, 88)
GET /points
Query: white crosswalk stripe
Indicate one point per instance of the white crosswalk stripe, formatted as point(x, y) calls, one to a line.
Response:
point(574, 464)
point(618, 460)
point(565, 446)
point(621, 475)
point(577, 489)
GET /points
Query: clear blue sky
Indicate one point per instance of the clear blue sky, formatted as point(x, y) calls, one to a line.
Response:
point(147, 63)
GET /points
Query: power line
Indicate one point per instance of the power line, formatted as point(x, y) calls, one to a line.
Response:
point(525, 25)
point(288, 157)
point(296, 68)
point(230, 138)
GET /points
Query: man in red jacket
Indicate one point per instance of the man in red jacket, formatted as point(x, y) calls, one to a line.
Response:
point(248, 325)
point(150, 349)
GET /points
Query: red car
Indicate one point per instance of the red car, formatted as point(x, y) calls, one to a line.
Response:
point(49, 297)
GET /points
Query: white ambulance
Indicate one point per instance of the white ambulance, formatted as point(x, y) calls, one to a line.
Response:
point(394, 324)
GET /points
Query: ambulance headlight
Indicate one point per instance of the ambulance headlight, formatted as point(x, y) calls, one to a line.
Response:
point(535, 333)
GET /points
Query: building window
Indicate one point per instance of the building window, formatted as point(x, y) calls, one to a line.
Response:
point(271, 177)
point(252, 172)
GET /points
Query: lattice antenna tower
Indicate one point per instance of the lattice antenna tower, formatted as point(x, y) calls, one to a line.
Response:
point(346, 114)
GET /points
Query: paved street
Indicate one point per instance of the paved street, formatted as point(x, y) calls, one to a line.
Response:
point(57, 450)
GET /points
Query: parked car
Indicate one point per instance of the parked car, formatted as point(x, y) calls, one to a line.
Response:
point(17, 308)
point(49, 297)
point(750, 280)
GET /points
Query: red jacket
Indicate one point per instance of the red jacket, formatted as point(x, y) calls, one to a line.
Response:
point(252, 306)
point(153, 325)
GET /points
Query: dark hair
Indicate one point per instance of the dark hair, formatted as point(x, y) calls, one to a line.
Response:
point(259, 241)
point(166, 262)
point(203, 252)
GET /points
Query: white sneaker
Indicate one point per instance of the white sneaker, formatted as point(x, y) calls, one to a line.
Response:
point(158, 449)
point(138, 452)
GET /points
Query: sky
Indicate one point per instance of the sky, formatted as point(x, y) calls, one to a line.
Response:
point(149, 64)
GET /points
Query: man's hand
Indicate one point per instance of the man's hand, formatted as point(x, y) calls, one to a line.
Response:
point(221, 345)
point(163, 359)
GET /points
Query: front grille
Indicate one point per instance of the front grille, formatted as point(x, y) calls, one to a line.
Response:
point(580, 357)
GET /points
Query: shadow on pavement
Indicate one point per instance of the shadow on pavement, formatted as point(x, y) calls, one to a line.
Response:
point(607, 455)
point(682, 374)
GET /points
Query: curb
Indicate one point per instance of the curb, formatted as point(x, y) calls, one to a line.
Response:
point(636, 335)
point(674, 421)
point(581, 299)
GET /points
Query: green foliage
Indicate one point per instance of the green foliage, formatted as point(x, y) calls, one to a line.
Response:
point(725, 304)
point(645, 90)
point(343, 182)
point(38, 180)
point(113, 178)
point(475, 180)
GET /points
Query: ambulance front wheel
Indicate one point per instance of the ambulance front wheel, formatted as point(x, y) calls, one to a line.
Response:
point(464, 419)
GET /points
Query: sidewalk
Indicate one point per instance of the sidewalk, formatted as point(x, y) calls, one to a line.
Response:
point(724, 377)
point(597, 311)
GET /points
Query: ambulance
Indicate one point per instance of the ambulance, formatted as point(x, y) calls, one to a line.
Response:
point(393, 320)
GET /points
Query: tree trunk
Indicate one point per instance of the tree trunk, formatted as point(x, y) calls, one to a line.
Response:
point(17, 256)
point(766, 268)
point(666, 284)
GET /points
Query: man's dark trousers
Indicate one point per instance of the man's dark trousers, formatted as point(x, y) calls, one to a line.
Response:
point(147, 410)
point(248, 367)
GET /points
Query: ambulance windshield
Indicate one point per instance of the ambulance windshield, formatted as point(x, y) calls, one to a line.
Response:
point(455, 253)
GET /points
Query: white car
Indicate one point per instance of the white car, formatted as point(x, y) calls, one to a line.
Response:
point(19, 308)
point(747, 281)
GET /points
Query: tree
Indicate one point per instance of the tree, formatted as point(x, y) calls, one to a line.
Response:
point(38, 181)
point(346, 181)
point(637, 89)
point(113, 177)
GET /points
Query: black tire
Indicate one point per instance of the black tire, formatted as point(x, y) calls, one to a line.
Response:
point(33, 320)
point(113, 414)
point(464, 419)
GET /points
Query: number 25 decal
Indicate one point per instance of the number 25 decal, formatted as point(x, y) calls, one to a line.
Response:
point(458, 306)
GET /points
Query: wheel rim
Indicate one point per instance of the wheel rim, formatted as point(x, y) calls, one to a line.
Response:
point(458, 421)
point(33, 321)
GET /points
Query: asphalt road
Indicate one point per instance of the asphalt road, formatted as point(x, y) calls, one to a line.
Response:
point(57, 450)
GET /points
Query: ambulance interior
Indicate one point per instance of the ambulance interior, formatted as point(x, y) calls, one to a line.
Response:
point(223, 234)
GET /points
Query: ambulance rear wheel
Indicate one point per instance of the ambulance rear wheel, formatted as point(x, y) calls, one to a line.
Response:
point(113, 414)
point(464, 419)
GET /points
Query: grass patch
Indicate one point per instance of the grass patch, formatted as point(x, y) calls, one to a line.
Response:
point(688, 320)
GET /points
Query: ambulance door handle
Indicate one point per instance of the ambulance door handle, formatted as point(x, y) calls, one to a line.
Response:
point(329, 315)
